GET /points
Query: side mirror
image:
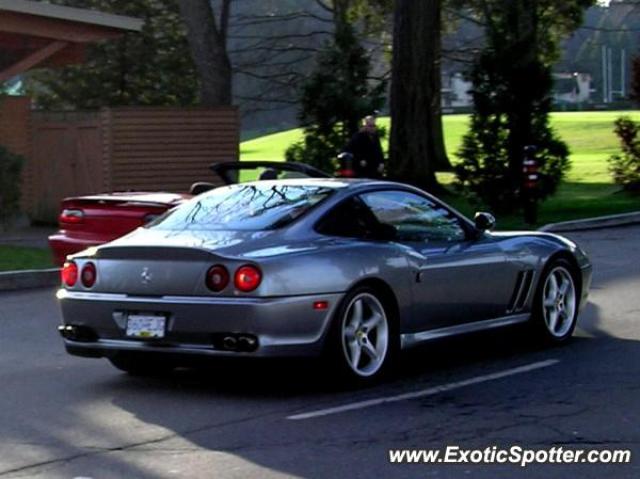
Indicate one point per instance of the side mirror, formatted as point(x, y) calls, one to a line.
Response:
point(200, 187)
point(484, 221)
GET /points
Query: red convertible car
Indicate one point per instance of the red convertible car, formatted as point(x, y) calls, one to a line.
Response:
point(86, 221)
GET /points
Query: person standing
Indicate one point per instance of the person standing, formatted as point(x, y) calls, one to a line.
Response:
point(368, 159)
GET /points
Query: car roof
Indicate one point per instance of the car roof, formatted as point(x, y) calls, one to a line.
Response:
point(349, 183)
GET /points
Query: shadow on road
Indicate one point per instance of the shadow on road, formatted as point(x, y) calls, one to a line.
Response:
point(567, 403)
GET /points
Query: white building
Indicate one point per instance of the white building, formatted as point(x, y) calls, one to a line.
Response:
point(569, 88)
point(572, 88)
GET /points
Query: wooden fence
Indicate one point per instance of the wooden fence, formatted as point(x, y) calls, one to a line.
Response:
point(166, 149)
point(118, 149)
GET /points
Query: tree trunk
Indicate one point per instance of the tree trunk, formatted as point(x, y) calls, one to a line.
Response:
point(635, 80)
point(523, 71)
point(416, 145)
point(207, 42)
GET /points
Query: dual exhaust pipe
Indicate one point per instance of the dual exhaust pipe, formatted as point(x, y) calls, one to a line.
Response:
point(245, 343)
point(74, 332)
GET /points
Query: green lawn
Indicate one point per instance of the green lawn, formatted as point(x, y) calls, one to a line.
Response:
point(587, 191)
point(20, 258)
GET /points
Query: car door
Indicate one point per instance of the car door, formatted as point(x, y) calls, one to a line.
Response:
point(460, 277)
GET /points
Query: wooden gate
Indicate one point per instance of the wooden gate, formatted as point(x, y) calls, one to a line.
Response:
point(66, 160)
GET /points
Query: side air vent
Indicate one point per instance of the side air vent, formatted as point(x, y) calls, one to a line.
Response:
point(525, 290)
point(521, 291)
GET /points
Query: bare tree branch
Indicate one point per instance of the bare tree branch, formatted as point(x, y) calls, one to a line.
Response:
point(224, 20)
point(288, 101)
point(273, 78)
point(257, 48)
point(246, 20)
point(282, 36)
point(460, 14)
point(264, 61)
point(324, 6)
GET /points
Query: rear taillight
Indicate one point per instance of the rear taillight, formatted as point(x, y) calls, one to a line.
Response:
point(71, 216)
point(69, 273)
point(88, 275)
point(247, 278)
point(346, 173)
point(217, 278)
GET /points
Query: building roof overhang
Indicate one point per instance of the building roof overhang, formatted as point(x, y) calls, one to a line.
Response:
point(35, 34)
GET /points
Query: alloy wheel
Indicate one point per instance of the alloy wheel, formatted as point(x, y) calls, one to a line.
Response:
point(559, 302)
point(365, 334)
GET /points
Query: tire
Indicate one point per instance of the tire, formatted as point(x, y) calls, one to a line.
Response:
point(140, 364)
point(555, 309)
point(364, 342)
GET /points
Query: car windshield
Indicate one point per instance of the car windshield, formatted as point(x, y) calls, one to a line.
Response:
point(251, 206)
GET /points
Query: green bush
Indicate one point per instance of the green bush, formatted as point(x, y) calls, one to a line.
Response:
point(317, 150)
point(512, 83)
point(625, 167)
point(490, 170)
point(10, 169)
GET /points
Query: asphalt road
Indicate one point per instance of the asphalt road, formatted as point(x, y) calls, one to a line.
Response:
point(66, 417)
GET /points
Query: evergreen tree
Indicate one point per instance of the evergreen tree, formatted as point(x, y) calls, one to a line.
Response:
point(512, 99)
point(334, 99)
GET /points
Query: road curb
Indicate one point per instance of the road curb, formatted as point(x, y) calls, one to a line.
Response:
point(28, 279)
point(599, 222)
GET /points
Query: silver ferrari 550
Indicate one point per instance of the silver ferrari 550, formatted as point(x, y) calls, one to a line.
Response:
point(356, 269)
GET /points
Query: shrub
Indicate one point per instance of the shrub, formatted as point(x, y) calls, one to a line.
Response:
point(625, 167)
point(512, 83)
point(10, 169)
point(511, 112)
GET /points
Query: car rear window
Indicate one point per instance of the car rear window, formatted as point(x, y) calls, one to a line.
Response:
point(250, 206)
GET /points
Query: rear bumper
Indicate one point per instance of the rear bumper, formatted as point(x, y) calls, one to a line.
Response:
point(287, 326)
point(62, 245)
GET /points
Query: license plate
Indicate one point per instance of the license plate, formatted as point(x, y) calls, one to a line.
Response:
point(145, 326)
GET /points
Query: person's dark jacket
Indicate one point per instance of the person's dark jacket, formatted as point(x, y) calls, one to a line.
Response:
point(367, 154)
